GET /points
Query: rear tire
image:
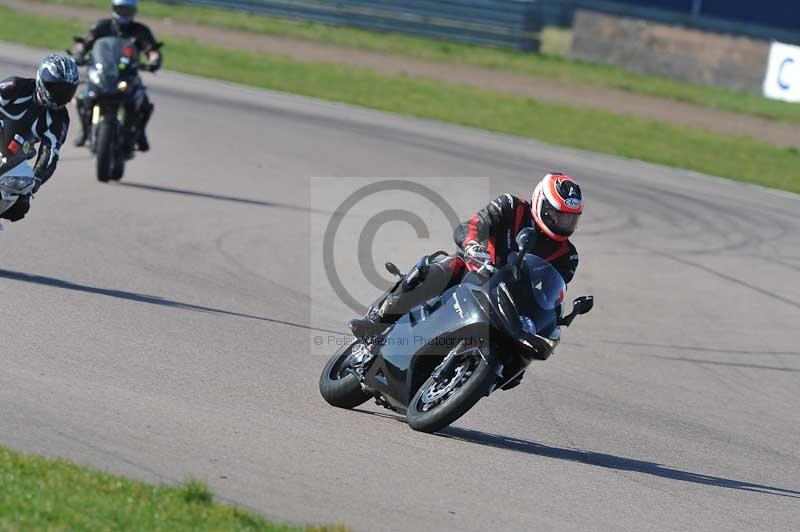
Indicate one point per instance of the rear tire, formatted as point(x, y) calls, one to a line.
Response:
point(452, 407)
point(104, 150)
point(338, 387)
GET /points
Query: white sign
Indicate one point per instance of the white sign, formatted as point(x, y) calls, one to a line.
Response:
point(783, 73)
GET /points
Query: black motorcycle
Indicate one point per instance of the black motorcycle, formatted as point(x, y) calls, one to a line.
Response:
point(113, 81)
point(438, 360)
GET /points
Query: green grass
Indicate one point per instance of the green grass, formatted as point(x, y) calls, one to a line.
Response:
point(38, 493)
point(551, 64)
point(734, 157)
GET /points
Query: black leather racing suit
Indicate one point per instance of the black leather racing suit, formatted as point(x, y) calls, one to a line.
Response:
point(140, 105)
point(495, 227)
point(108, 27)
point(21, 117)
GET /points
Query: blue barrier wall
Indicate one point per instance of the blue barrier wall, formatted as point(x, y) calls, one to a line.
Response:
point(759, 19)
point(674, 5)
point(783, 14)
point(778, 13)
point(509, 23)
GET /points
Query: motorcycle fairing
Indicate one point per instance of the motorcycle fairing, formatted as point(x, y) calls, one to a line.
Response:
point(482, 311)
point(417, 344)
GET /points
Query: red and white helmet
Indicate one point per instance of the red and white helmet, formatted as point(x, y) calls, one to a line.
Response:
point(556, 205)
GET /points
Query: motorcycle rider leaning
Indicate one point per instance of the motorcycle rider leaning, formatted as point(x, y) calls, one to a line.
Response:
point(33, 110)
point(121, 24)
point(487, 238)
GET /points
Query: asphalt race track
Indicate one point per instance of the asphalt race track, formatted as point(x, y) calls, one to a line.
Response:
point(167, 326)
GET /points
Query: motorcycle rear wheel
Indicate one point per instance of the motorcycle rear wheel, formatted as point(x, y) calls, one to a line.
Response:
point(339, 387)
point(437, 404)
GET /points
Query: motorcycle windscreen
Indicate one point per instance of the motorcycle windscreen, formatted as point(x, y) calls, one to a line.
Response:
point(547, 292)
point(104, 68)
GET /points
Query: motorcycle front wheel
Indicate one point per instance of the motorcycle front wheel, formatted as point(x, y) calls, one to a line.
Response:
point(105, 142)
point(443, 399)
point(119, 169)
point(338, 386)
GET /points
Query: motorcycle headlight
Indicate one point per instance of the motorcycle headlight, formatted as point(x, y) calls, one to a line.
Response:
point(122, 85)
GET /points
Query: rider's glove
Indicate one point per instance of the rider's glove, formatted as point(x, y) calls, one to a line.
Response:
point(478, 252)
point(78, 54)
point(153, 61)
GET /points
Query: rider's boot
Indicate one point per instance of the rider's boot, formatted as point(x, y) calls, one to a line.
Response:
point(80, 141)
point(366, 329)
point(130, 133)
point(369, 326)
point(142, 143)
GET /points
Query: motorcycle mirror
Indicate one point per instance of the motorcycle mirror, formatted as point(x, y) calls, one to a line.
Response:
point(394, 270)
point(526, 239)
point(582, 305)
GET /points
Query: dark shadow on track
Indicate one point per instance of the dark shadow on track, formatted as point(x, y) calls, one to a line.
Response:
point(606, 460)
point(609, 461)
point(143, 298)
point(217, 197)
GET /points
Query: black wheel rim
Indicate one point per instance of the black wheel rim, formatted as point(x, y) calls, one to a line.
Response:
point(343, 367)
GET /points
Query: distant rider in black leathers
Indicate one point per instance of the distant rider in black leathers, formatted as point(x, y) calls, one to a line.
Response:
point(121, 25)
point(33, 110)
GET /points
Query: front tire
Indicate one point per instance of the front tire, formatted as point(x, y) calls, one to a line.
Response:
point(104, 149)
point(339, 387)
point(119, 169)
point(437, 404)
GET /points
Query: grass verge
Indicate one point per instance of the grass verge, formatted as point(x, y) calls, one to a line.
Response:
point(38, 493)
point(550, 65)
point(738, 158)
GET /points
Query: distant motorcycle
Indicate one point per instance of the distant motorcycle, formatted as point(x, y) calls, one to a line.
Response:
point(113, 67)
point(438, 360)
point(16, 175)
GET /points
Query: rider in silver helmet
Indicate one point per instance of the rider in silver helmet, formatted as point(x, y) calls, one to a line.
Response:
point(32, 110)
